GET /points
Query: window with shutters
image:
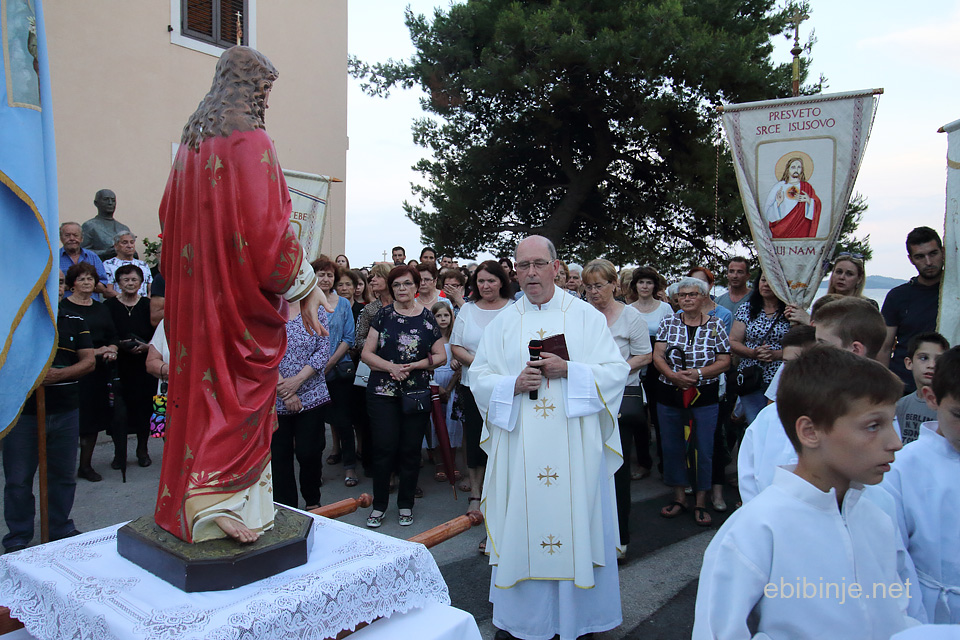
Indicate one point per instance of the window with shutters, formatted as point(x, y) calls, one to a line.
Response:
point(215, 21)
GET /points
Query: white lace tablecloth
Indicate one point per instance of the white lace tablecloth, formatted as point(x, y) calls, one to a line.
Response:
point(81, 588)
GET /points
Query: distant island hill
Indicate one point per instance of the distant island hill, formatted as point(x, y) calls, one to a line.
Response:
point(873, 282)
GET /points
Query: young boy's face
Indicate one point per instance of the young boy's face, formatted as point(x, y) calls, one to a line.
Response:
point(948, 417)
point(862, 443)
point(922, 363)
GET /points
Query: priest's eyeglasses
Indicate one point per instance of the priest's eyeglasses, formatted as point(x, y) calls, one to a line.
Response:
point(539, 265)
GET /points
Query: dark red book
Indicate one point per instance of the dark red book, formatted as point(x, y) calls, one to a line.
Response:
point(557, 345)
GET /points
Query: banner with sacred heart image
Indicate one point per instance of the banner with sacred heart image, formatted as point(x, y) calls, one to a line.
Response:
point(796, 161)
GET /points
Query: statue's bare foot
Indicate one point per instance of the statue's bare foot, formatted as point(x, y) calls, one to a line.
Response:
point(236, 529)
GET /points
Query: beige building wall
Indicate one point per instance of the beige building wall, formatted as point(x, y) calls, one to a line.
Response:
point(122, 93)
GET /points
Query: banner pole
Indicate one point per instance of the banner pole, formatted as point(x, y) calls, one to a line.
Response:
point(42, 457)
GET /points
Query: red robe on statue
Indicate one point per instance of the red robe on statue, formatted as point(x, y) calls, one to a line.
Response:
point(228, 254)
point(796, 224)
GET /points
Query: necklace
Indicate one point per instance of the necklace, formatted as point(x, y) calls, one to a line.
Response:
point(130, 307)
point(700, 321)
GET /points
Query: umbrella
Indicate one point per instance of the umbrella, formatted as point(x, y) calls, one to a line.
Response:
point(440, 426)
point(689, 426)
point(118, 423)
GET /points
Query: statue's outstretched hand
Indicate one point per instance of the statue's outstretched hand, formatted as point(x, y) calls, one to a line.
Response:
point(309, 308)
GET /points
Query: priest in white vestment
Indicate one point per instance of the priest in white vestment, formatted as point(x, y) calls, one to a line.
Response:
point(548, 490)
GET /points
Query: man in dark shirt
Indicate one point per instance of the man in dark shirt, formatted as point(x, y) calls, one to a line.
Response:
point(73, 360)
point(912, 308)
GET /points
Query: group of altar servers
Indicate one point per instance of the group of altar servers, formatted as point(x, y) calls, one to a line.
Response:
point(847, 533)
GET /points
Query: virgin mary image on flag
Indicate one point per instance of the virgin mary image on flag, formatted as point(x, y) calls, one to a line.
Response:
point(792, 208)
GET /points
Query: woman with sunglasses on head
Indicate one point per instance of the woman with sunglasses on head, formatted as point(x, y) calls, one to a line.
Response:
point(403, 346)
point(847, 278)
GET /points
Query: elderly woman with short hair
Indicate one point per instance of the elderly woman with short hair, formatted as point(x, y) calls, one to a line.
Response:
point(96, 413)
point(630, 333)
point(691, 351)
point(130, 312)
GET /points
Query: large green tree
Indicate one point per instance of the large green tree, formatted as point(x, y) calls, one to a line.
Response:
point(592, 122)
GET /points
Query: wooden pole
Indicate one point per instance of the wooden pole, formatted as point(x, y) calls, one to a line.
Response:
point(8, 624)
point(344, 507)
point(447, 530)
point(42, 457)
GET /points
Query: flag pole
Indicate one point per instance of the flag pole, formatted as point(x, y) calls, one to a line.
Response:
point(799, 15)
point(42, 457)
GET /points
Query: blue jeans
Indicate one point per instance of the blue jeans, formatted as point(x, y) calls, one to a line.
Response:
point(753, 403)
point(674, 448)
point(20, 465)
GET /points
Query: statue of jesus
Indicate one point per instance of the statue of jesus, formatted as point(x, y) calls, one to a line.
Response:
point(229, 259)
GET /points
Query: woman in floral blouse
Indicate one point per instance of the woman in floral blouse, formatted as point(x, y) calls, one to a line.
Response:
point(301, 394)
point(403, 345)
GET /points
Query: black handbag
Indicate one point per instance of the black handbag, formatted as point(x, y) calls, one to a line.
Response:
point(632, 407)
point(750, 378)
point(416, 401)
point(343, 370)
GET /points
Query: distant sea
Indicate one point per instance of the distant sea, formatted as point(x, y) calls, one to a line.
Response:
point(874, 294)
point(877, 294)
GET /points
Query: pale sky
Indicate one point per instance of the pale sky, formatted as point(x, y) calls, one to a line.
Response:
point(861, 45)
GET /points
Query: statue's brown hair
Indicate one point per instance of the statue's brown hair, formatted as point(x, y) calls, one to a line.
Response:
point(237, 98)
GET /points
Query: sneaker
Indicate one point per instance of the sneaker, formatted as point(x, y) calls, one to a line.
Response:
point(622, 554)
point(374, 521)
point(406, 519)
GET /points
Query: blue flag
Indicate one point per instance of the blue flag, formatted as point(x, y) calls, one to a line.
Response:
point(28, 207)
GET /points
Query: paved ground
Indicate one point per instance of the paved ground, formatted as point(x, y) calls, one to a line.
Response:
point(657, 583)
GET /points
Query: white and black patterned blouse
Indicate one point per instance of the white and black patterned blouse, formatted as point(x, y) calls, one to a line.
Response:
point(701, 345)
point(753, 338)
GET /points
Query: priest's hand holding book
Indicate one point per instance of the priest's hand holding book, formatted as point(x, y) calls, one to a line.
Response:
point(549, 365)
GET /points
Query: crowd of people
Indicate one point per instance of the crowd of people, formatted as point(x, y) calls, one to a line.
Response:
point(704, 380)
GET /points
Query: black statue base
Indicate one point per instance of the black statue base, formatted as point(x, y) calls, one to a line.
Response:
point(217, 565)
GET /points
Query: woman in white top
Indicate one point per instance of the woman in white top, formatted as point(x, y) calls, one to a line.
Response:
point(645, 283)
point(491, 293)
point(630, 333)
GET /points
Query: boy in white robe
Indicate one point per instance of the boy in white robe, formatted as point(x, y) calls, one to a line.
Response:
point(924, 485)
point(851, 324)
point(808, 557)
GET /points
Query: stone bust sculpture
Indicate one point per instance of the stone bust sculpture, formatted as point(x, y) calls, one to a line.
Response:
point(99, 232)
